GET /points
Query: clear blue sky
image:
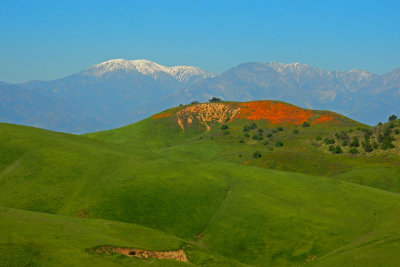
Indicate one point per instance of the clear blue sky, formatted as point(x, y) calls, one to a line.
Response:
point(51, 39)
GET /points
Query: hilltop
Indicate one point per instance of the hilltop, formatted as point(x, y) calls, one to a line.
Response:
point(225, 183)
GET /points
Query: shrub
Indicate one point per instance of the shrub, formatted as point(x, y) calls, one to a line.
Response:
point(241, 141)
point(269, 135)
point(375, 145)
point(379, 123)
point(329, 141)
point(306, 124)
point(224, 127)
point(257, 155)
point(280, 129)
point(252, 126)
point(355, 142)
point(392, 118)
point(260, 137)
point(397, 131)
point(260, 130)
point(353, 151)
point(345, 143)
point(278, 143)
point(335, 149)
point(265, 143)
point(367, 146)
point(246, 128)
point(295, 131)
point(194, 102)
point(255, 137)
point(246, 135)
point(214, 100)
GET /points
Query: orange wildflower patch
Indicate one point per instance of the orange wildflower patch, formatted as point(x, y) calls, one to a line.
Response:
point(165, 115)
point(322, 119)
point(274, 112)
point(245, 163)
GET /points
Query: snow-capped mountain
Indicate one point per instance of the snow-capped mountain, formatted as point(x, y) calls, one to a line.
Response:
point(119, 92)
point(147, 67)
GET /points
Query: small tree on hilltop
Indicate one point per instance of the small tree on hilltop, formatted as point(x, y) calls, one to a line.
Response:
point(214, 100)
point(306, 124)
point(392, 118)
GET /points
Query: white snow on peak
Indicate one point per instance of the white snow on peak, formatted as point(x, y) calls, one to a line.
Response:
point(295, 67)
point(147, 67)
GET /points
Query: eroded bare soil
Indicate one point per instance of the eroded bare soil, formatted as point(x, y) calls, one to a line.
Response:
point(142, 254)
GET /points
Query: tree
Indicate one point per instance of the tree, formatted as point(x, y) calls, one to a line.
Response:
point(224, 127)
point(257, 155)
point(214, 100)
point(355, 142)
point(194, 102)
point(278, 143)
point(392, 118)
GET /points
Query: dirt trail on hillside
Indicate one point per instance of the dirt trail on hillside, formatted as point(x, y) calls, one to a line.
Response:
point(178, 255)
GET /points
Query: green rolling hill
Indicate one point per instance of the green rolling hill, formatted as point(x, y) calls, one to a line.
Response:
point(228, 183)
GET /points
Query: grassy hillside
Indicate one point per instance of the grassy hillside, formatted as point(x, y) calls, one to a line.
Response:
point(190, 178)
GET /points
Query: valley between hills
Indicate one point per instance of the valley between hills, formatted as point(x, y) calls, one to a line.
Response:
point(261, 183)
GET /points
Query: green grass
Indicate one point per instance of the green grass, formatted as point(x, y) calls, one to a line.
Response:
point(151, 185)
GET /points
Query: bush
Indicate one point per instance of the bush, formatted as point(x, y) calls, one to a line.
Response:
point(392, 118)
point(255, 136)
point(246, 135)
point(224, 127)
point(214, 100)
point(335, 149)
point(397, 131)
point(329, 141)
point(257, 155)
point(260, 137)
point(280, 129)
point(353, 151)
point(241, 141)
point(375, 145)
point(278, 143)
point(252, 126)
point(367, 146)
point(306, 124)
point(246, 128)
point(269, 135)
point(194, 102)
point(260, 130)
point(355, 142)
point(295, 131)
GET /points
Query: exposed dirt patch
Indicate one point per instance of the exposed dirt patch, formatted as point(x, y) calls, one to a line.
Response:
point(162, 115)
point(142, 254)
point(273, 112)
point(206, 113)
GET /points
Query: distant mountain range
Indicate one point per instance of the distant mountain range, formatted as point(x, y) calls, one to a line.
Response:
point(120, 92)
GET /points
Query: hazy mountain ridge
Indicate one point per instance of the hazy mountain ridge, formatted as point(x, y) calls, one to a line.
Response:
point(118, 92)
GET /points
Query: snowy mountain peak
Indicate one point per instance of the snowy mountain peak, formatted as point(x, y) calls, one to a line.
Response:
point(147, 67)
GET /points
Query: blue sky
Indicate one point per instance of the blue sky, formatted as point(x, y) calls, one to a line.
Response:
point(51, 39)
